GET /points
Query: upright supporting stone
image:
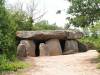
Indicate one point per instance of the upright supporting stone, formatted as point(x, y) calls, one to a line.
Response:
point(54, 47)
point(21, 50)
point(43, 49)
point(71, 46)
point(30, 47)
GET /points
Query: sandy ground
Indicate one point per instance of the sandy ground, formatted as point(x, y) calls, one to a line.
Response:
point(74, 64)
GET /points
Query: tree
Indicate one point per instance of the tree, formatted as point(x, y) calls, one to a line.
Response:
point(84, 12)
point(7, 38)
point(27, 11)
point(21, 20)
point(10, 22)
point(34, 12)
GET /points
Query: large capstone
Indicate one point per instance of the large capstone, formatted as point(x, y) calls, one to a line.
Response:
point(73, 34)
point(54, 47)
point(71, 46)
point(46, 35)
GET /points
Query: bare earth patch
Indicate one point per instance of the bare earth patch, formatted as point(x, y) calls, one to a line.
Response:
point(74, 64)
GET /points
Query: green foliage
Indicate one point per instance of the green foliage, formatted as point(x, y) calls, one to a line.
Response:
point(7, 65)
point(95, 30)
point(20, 20)
point(10, 22)
point(44, 25)
point(96, 27)
point(6, 32)
point(91, 42)
point(84, 12)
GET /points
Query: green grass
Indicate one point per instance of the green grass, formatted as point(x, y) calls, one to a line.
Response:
point(98, 66)
point(98, 62)
point(7, 65)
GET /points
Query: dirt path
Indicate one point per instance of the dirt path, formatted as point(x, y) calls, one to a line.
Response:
point(74, 64)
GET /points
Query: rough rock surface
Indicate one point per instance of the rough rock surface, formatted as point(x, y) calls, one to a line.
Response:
point(30, 47)
point(43, 49)
point(82, 47)
point(74, 34)
point(21, 50)
point(53, 34)
point(71, 46)
point(54, 47)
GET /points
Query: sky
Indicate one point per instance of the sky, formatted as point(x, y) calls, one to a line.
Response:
point(50, 7)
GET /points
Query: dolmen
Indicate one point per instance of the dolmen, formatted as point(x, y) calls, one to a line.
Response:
point(49, 42)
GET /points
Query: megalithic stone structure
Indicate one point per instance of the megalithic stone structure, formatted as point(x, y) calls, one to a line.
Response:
point(51, 44)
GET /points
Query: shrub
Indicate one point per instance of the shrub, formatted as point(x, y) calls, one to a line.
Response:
point(7, 65)
point(91, 42)
point(9, 24)
point(44, 25)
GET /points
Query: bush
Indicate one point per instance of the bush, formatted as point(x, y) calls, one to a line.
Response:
point(44, 25)
point(91, 42)
point(9, 24)
point(7, 65)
